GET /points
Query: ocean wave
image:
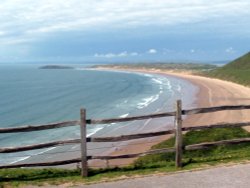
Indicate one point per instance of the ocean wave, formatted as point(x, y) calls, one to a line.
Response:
point(110, 124)
point(145, 102)
point(124, 115)
point(163, 83)
point(158, 81)
point(122, 103)
point(178, 88)
point(93, 131)
point(31, 155)
point(125, 102)
point(147, 75)
point(169, 86)
point(20, 159)
point(44, 151)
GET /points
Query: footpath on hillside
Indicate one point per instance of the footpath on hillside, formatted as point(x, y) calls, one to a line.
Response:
point(220, 177)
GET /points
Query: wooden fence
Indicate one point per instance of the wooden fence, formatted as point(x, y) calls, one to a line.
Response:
point(178, 149)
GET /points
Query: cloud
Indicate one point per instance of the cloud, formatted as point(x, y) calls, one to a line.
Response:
point(167, 51)
point(192, 51)
point(230, 50)
point(152, 51)
point(114, 55)
point(44, 16)
point(92, 22)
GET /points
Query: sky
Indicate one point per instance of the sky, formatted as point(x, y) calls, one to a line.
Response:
point(123, 31)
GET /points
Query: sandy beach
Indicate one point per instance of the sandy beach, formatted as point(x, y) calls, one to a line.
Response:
point(212, 92)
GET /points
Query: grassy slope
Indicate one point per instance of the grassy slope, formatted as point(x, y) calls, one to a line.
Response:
point(237, 71)
point(145, 165)
point(200, 157)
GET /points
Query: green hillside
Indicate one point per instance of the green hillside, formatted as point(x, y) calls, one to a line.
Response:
point(237, 71)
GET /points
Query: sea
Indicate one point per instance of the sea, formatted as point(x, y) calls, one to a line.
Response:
point(33, 96)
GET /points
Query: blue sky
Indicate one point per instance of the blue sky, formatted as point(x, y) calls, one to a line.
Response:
point(118, 30)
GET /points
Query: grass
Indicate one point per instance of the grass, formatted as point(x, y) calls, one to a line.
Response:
point(237, 76)
point(144, 165)
point(211, 156)
point(237, 71)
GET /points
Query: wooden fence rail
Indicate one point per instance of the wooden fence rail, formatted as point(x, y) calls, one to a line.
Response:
point(214, 109)
point(126, 119)
point(150, 152)
point(178, 149)
point(29, 128)
point(38, 146)
point(119, 138)
point(168, 114)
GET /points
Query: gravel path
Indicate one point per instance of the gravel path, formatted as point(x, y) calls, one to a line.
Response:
point(237, 176)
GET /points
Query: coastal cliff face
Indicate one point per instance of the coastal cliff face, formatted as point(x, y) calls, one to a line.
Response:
point(55, 67)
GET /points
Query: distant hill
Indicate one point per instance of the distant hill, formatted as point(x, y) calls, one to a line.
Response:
point(236, 71)
point(161, 66)
point(56, 67)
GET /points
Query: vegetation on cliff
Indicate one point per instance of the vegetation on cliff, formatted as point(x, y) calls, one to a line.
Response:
point(237, 71)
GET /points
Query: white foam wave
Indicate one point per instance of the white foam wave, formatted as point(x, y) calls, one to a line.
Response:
point(74, 147)
point(168, 84)
point(178, 88)
point(122, 103)
point(163, 83)
point(145, 102)
point(158, 81)
point(25, 158)
point(110, 124)
point(20, 159)
point(125, 102)
point(44, 151)
point(124, 115)
point(93, 131)
point(147, 75)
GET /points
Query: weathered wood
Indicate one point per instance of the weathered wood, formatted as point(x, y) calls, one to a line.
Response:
point(157, 151)
point(171, 150)
point(219, 125)
point(167, 114)
point(128, 137)
point(160, 133)
point(54, 163)
point(207, 145)
point(83, 139)
point(84, 171)
point(132, 118)
point(38, 146)
point(214, 109)
point(121, 138)
point(178, 134)
point(29, 128)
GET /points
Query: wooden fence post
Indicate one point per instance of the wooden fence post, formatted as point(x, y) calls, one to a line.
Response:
point(178, 134)
point(84, 171)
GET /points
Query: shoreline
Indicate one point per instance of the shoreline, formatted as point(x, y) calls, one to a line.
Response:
point(212, 92)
